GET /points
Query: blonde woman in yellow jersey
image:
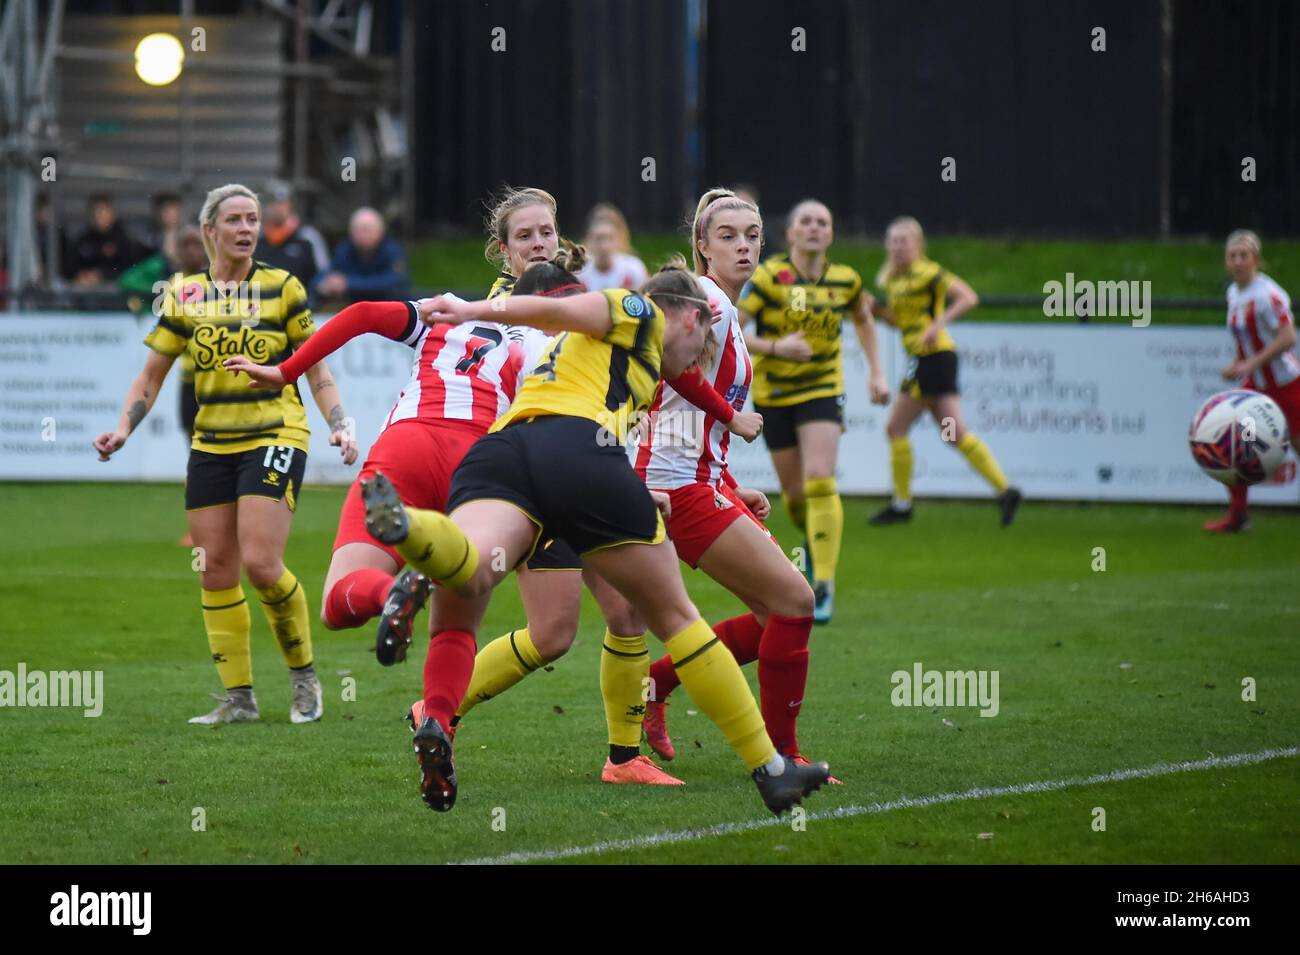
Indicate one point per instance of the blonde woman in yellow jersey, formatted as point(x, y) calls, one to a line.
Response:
point(249, 448)
point(555, 466)
point(798, 302)
point(921, 299)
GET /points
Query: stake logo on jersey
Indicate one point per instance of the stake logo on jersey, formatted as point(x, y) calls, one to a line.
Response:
point(233, 416)
point(467, 373)
point(1256, 314)
point(782, 301)
point(685, 444)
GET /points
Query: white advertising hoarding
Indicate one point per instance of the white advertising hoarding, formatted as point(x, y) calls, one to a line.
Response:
point(1072, 412)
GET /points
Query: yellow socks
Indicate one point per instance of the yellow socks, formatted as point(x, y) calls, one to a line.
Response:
point(285, 606)
point(499, 666)
point(825, 525)
point(979, 456)
point(900, 462)
point(624, 668)
point(715, 684)
point(226, 618)
point(797, 508)
point(436, 548)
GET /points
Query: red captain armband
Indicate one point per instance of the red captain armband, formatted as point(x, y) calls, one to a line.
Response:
point(393, 320)
point(695, 388)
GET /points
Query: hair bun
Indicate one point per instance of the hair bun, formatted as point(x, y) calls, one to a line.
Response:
point(570, 256)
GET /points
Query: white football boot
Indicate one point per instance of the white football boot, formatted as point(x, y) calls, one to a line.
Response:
point(308, 700)
point(237, 706)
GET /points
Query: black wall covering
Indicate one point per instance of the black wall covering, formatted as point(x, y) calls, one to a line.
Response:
point(1048, 136)
point(1236, 94)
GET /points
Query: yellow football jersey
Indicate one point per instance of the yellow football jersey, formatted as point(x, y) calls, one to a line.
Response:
point(783, 301)
point(504, 285)
point(263, 319)
point(610, 380)
point(915, 298)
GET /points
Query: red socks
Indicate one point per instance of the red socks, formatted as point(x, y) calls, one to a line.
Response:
point(740, 635)
point(447, 672)
point(356, 598)
point(1237, 499)
point(782, 676)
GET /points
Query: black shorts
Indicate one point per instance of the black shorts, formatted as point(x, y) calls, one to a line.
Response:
point(781, 423)
point(931, 376)
point(273, 471)
point(554, 554)
point(573, 487)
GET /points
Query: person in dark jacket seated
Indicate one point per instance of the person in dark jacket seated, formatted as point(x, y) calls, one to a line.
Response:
point(287, 242)
point(104, 249)
point(366, 266)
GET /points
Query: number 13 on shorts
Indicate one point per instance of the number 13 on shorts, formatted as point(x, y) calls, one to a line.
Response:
point(279, 458)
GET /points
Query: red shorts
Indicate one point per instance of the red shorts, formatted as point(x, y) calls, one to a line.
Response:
point(419, 457)
point(700, 513)
point(1288, 399)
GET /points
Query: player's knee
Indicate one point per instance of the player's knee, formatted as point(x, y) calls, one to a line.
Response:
point(817, 472)
point(625, 622)
point(220, 576)
point(264, 570)
point(795, 599)
point(668, 620)
point(553, 638)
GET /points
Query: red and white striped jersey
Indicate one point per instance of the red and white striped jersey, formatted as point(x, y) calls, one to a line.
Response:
point(467, 372)
point(684, 444)
point(1256, 314)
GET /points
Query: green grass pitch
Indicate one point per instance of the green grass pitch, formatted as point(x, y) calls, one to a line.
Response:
point(1136, 666)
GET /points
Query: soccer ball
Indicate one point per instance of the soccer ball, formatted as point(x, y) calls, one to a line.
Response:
point(1239, 437)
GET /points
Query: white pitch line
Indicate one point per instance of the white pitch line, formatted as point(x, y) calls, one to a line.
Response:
point(904, 802)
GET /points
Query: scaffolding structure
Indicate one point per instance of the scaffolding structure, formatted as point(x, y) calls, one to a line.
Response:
point(334, 81)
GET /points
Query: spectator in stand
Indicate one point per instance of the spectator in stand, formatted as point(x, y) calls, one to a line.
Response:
point(367, 265)
point(104, 249)
point(287, 242)
point(612, 263)
point(140, 281)
point(165, 224)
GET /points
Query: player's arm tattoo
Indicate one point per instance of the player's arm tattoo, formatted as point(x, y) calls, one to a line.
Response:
point(319, 386)
point(338, 422)
point(135, 414)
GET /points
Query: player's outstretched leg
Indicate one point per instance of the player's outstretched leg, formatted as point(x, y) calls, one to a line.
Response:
point(409, 593)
